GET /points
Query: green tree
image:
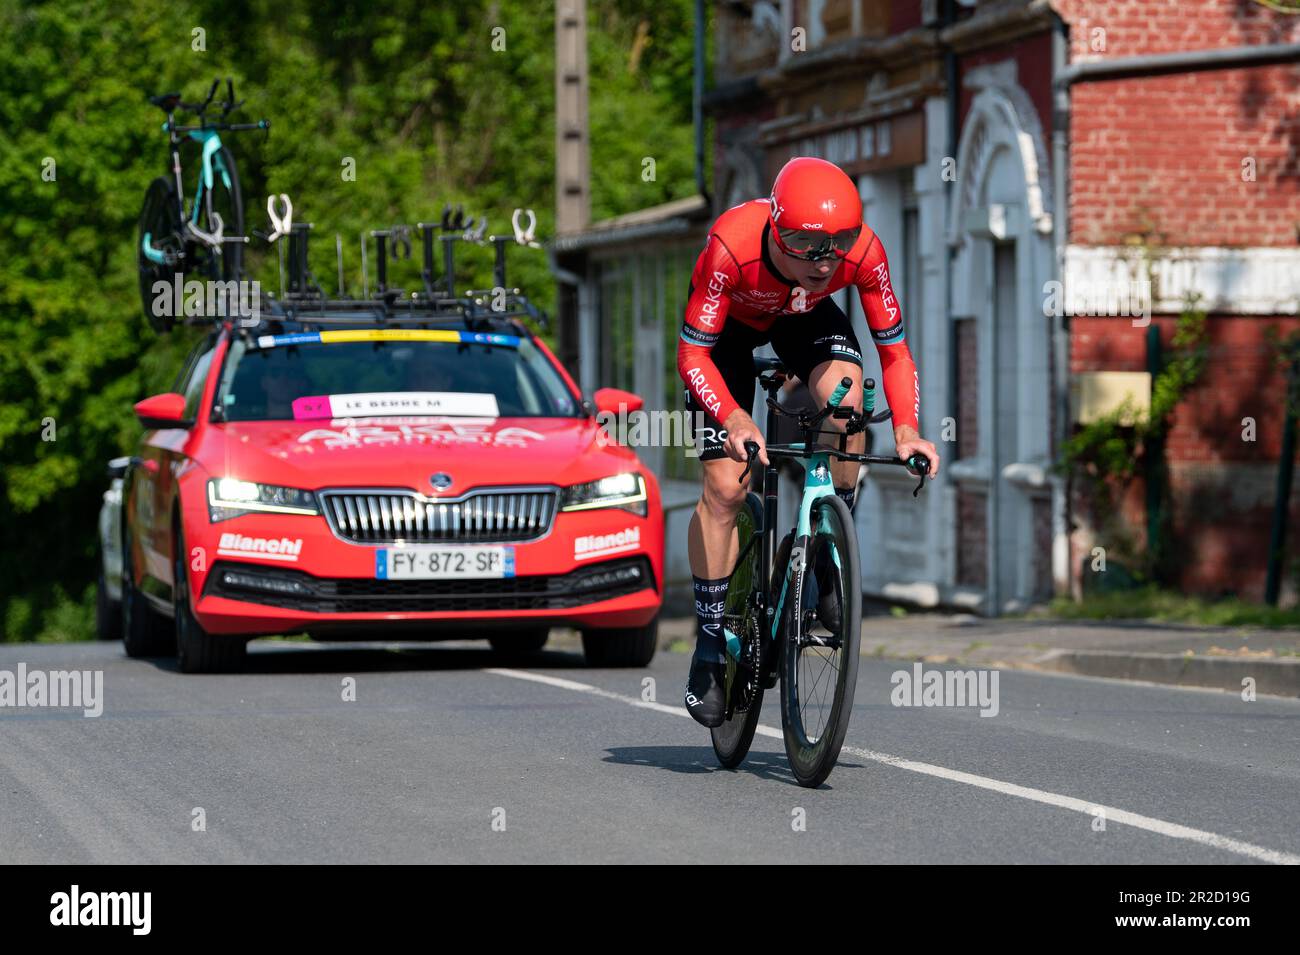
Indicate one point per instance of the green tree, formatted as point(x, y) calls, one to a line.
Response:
point(417, 95)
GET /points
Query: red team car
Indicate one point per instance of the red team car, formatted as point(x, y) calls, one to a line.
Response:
point(367, 479)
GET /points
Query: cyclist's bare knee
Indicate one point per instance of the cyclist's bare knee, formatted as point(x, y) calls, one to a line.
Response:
point(723, 495)
point(826, 377)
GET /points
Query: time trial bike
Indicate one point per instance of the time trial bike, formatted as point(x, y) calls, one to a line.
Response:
point(208, 238)
point(773, 630)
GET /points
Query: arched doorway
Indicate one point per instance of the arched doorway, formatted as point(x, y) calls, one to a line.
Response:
point(1000, 230)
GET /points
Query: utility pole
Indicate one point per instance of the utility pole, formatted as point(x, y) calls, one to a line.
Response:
point(572, 155)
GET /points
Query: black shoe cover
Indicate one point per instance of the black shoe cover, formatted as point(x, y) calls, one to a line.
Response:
point(705, 698)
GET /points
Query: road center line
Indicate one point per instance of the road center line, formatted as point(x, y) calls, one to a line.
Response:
point(1112, 814)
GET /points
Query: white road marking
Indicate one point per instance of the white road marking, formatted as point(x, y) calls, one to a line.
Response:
point(1112, 814)
point(1171, 829)
point(588, 688)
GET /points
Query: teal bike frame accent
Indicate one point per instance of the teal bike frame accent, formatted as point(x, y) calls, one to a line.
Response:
point(211, 141)
point(212, 164)
point(150, 253)
point(768, 579)
point(818, 484)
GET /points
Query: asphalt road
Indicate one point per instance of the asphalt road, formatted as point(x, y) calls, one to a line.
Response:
point(447, 755)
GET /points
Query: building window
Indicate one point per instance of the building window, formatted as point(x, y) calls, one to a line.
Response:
point(642, 301)
point(617, 325)
point(679, 262)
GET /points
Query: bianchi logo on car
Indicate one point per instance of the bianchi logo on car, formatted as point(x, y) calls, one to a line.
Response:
point(237, 545)
point(602, 545)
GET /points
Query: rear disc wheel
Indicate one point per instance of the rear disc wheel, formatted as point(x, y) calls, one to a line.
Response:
point(108, 612)
point(732, 739)
point(159, 232)
point(144, 632)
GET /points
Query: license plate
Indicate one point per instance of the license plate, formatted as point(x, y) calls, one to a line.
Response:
point(430, 562)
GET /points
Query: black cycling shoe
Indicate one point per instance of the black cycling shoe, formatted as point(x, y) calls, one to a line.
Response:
point(705, 692)
point(828, 604)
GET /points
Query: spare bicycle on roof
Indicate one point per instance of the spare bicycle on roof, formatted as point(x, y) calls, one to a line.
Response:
point(207, 239)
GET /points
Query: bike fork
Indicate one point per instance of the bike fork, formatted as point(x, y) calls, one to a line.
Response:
point(817, 484)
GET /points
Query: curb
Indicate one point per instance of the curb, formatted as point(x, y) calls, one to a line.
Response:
point(1273, 677)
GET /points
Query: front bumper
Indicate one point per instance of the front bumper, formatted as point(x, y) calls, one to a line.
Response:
point(246, 598)
point(324, 585)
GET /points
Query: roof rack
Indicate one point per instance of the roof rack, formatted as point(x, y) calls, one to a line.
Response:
point(303, 300)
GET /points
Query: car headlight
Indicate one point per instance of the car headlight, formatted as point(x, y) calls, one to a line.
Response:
point(230, 497)
point(624, 491)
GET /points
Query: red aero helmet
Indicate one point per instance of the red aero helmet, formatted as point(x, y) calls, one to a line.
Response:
point(814, 196)
point(815, 209)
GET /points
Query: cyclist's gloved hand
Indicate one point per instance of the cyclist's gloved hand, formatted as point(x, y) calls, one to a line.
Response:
point(741, 428)
point(907, 442)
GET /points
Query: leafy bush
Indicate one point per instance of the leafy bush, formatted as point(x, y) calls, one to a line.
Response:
point(415, 93)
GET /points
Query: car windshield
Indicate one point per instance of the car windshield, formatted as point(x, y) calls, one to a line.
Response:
point(359, 373)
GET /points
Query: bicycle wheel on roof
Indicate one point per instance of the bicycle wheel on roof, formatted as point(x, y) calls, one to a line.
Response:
point(160, 250)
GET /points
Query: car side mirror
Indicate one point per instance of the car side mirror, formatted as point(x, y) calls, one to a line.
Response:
point(163, 411)
point(617, 401)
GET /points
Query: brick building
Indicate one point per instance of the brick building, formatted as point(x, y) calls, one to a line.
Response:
point(1011, 148)
point(1200, 165)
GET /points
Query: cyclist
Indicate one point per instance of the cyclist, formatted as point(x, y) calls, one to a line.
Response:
point(766, 274)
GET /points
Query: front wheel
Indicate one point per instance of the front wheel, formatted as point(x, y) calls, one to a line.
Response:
point(820, 669)
point(198, 651)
